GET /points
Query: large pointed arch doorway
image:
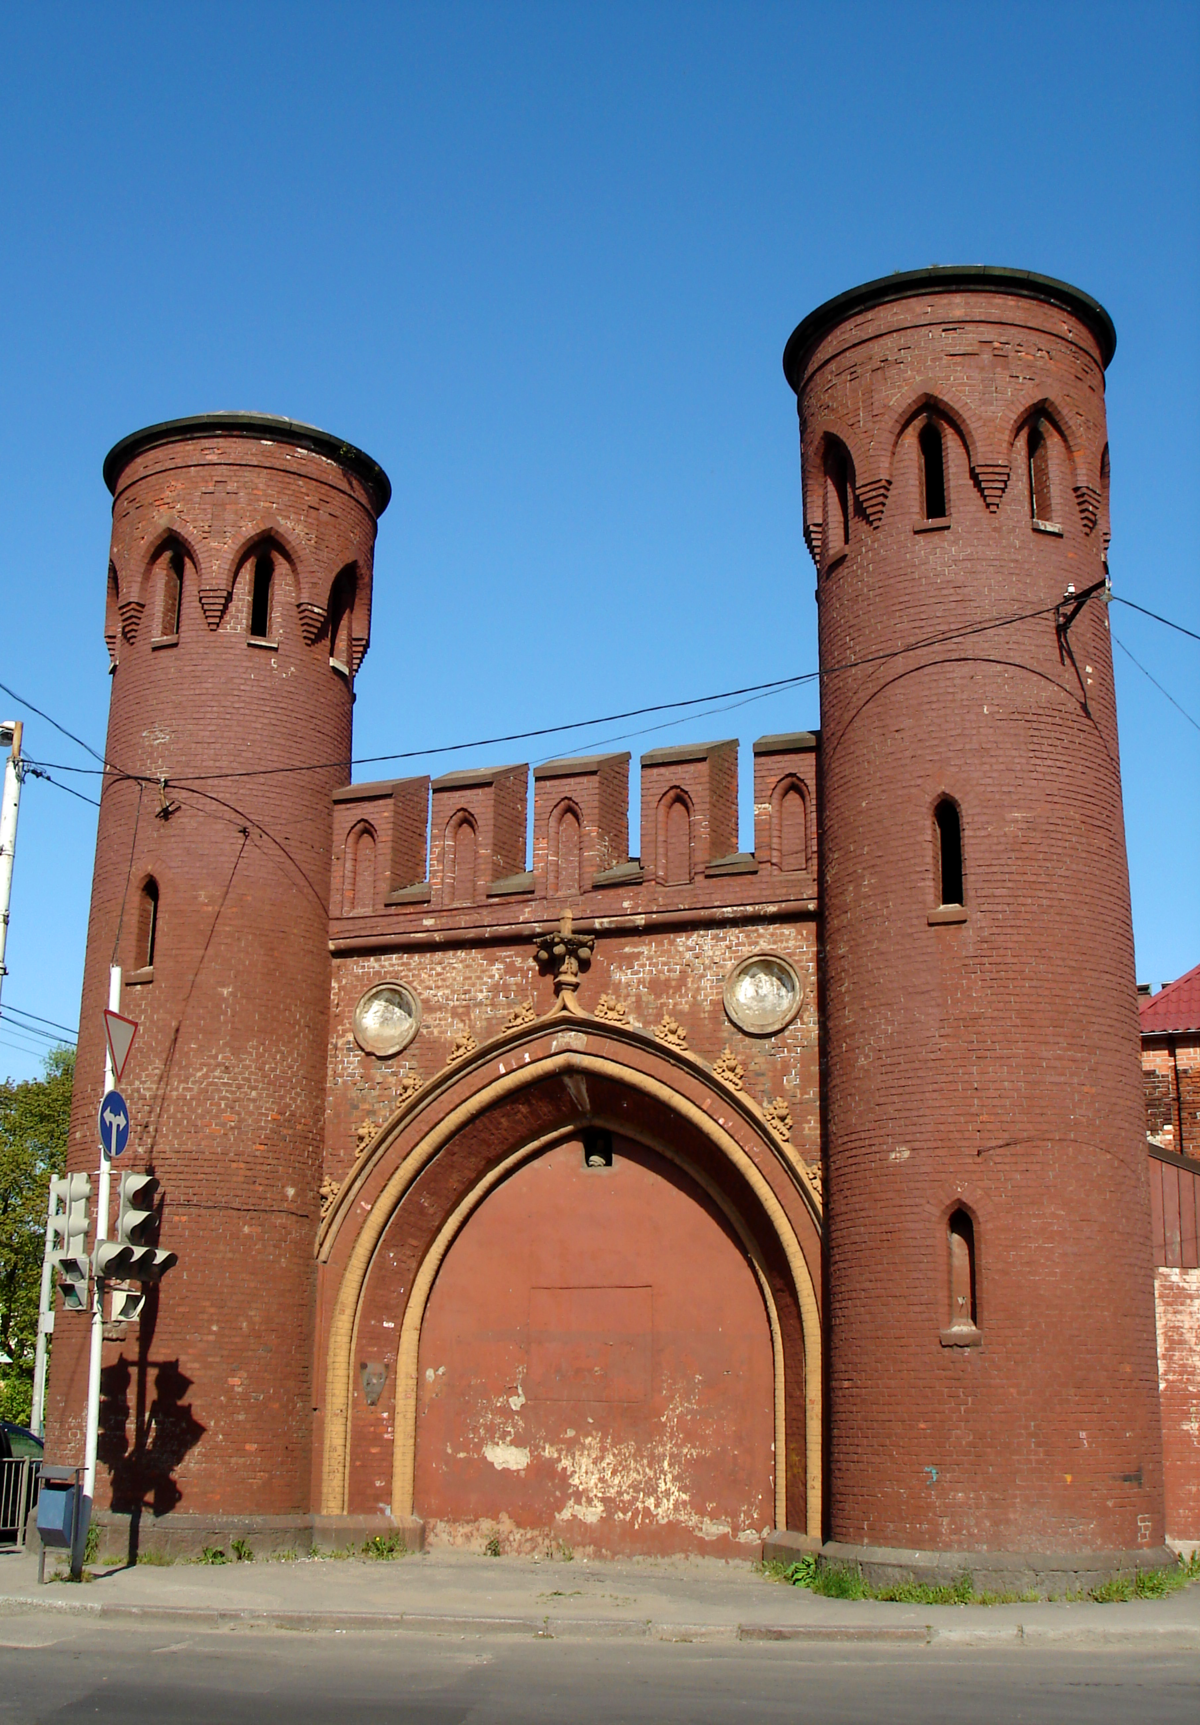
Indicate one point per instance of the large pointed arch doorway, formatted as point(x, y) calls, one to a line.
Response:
point(596, 1367)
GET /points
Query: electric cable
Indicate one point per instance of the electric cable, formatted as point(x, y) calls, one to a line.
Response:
point(1170, 697)
point(52, 1022)
point(1190, 633)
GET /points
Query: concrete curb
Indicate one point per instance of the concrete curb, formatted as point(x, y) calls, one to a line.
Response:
point(600, 1628)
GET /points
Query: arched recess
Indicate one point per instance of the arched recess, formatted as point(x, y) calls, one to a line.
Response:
point(564, 850)
point(400, 1213)
point(921, 404)
point(790, 847)
point(264, 579)
point(1047, 409)
point(358, 890)
point(461, 859)
point(675, 836)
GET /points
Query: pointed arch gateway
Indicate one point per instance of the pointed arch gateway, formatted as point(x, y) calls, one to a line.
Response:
point(626, 1358)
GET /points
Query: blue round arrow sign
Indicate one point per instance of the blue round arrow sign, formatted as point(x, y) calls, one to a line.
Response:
point(112, 1123)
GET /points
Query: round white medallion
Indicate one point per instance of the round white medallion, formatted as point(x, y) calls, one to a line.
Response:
point(763, 994)
point(386, 1019)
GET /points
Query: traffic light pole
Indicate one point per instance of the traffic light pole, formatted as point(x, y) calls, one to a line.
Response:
point(37, 1418)
point(92, 1434)
point(10, 803)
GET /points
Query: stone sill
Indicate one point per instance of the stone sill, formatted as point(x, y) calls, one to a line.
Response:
point(261, 641)
point(947, 913)
point(1047, 527)
point(135, 978)
point(935, 524)
point(164, 641)
point(960, 1336)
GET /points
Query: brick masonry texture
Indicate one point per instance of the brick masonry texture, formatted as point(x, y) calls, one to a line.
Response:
point(923, 1073)
point(946, 1086)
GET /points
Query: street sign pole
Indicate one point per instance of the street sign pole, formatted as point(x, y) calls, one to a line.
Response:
point(91, 1438)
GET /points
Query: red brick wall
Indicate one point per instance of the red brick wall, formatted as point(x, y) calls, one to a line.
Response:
point(208, 1402)
point(1171, 1075)
point(990, 1062)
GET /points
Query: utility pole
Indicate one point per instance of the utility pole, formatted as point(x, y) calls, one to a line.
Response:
point(10, 738)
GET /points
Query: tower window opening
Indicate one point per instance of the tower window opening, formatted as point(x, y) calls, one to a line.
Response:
point(260, 598)
point(949, 848)
point(597, 1147)
point(172, 593)
point(147, 924)
point(933, 472)
point(961, 1236)
point(1039, 474)
point(837, 471)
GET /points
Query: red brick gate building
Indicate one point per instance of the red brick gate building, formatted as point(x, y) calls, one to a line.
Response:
point(659, 1201)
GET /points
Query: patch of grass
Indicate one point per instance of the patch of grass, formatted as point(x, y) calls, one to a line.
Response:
point(775, 1569)
point(288, 1555)
point(156, 1558)
point(335, 1553)
point(384, 1546)
point(843, 1581)
point(242, 1550)
point(91, 1545)
point(213, 1554)
point(492, 1548)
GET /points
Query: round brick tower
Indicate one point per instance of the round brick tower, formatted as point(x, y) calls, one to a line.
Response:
point(992, 1368)
point(239, 594)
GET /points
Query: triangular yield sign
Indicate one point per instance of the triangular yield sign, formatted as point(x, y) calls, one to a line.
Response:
point(120, 1033)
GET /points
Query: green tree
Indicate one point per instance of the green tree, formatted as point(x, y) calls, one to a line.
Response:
point(34, 1117)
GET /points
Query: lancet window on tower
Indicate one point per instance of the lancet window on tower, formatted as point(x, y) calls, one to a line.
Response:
point(948, 834)
point(172, 592)
point(147, 924)
point(838, 487)
point(961, 1238)
point(261, 594)
point(933, 471)
point(1040, 506)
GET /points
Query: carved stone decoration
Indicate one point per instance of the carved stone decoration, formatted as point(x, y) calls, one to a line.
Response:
point(130, 612)
point(992, 480)
point(815, 1178)
point(779, 1118)
point(363, 1136)
point(463, 1045)
point(763, 994)
point(873, 495)
point(312, 617)
point(407, 1088)
point(386, 1019)
point(373, 1374)
point(521, 1015)
point(1088, 499)
point(213, 601)
point(671, 1033)
point(611, 1010)
point(329, 1191)
point(729, 1069)
point(565, 954)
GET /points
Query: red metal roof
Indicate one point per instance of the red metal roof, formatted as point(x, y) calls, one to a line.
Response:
point(1175, 1007)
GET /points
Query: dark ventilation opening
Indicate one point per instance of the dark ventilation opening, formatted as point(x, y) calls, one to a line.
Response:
point(597, 1147)
point(933, 471)
point(1039, 475)
point(147, 923)
point(260, 602)
point(962, 1271)
point(950, 857)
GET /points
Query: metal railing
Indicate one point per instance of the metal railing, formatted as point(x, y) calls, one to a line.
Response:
point(19, 1478)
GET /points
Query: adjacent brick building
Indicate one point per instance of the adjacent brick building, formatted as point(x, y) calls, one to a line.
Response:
point(536, 1191)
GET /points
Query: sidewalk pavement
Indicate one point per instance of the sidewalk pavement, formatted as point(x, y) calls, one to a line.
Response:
point(454, 1593)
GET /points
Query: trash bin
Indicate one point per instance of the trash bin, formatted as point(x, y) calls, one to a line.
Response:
point(58, 1506)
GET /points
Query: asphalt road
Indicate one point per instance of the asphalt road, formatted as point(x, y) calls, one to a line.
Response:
point(142, 1676)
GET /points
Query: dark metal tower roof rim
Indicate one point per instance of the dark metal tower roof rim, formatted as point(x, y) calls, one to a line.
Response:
point(266, 427)
point(945, 278)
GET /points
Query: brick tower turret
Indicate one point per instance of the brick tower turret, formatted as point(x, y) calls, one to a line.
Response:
point(238, 613)
point(993, 1382)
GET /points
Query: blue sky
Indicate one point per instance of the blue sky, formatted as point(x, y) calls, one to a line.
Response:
point(541, 262)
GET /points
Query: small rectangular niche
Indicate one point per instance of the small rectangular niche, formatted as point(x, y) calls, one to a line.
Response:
point(597, 1147)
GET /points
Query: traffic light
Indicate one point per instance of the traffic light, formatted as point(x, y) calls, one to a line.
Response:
point(133, 1254)
point(69, 1228)
point(127, 1304)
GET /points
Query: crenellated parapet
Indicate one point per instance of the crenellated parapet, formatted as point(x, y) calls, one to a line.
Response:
point(476, 823)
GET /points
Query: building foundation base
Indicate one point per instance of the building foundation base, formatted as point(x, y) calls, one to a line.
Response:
point(1051, 1574)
